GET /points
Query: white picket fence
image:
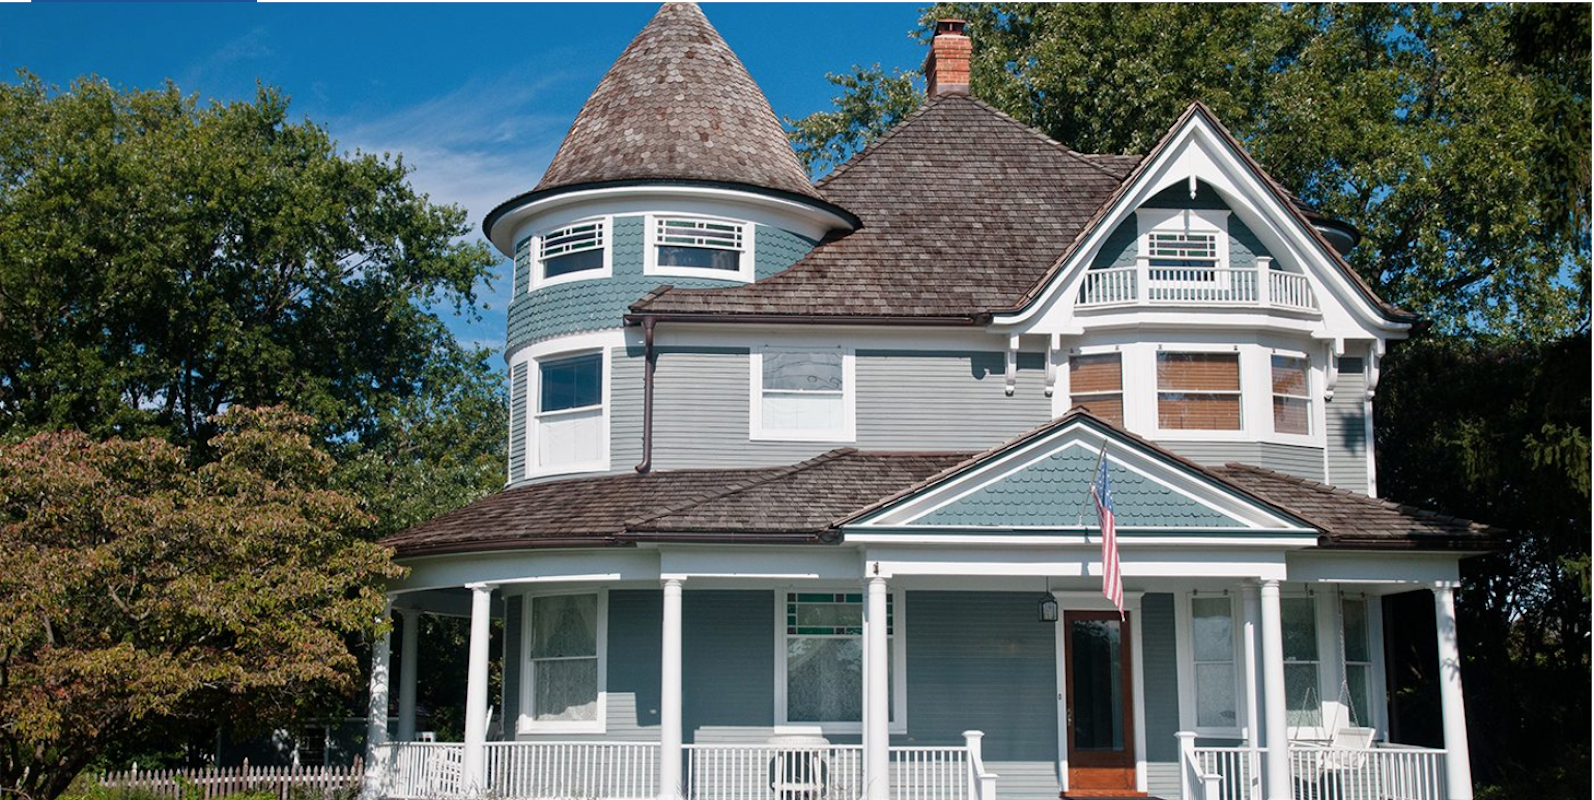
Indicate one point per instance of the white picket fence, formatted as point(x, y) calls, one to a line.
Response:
point(215, 782)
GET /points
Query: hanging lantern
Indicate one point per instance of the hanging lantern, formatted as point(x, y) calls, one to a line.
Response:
point(1048, 609)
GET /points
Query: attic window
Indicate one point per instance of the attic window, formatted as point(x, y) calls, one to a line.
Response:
point(1183, 249)
point(701, 247)
point(573, 249)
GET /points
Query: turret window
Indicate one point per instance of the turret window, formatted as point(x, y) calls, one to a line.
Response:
point(569, 429)
point(699, 247)
point(573, 251)
point(1198, 391)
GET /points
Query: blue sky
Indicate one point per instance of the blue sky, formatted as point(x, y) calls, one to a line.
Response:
point(476, 96)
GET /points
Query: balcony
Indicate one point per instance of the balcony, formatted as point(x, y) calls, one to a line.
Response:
point(1145, 284)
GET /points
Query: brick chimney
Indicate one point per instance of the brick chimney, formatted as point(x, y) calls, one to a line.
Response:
point(946, 69)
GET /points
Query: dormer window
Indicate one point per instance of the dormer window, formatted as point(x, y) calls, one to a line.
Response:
point(1185, 253)
point(699, 247)
point(572, 252)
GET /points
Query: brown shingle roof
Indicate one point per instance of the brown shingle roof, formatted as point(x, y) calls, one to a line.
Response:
point(963, 209)
point(1348, 519)
point(678, 105)
point(770, 504)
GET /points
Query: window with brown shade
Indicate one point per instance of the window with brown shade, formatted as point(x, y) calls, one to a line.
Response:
point(1198, 391)
point(1096, 383)
point(1292, 406)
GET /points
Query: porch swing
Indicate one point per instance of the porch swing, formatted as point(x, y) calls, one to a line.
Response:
point(1348, 747)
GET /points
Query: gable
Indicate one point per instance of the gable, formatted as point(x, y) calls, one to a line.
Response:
point(1040, 484)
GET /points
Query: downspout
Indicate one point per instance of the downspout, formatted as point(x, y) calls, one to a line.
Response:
point(650, 357)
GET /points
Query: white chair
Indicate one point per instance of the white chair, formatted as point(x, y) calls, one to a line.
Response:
point(800, 769)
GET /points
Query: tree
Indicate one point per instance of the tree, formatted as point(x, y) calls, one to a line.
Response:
point(138, 586)
point(1455, 137)
point(871, 103)
point(160, 262)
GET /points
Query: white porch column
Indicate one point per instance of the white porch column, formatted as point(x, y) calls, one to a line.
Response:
point(407, 656)
point(876, 694)
point(481, 617)
point(1458, 764)
point(1276, 760)
point(670, 695)
point(1251, 608)
point(376, 715)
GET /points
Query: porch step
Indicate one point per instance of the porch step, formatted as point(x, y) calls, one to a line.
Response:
point(1087, 794)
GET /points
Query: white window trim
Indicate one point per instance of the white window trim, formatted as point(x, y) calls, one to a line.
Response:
point(1314, 425)
point(526, 723)
point(1325, 618)
point(899, 664)
point(1184, 647)
point(535, 416)
point(849, 399)
point(650, 251)
point(1066, 374)
point(538, 281)
point(1242, 433)
point(1181, 220)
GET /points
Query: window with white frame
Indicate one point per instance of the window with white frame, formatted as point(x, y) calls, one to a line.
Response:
point(1302, 700)
point(699, 247)
point(803, 395)
point(1096, 383)
point(1292, 404)
point(822, 659)
point(1183, 246)
point(1358, 660)
point(565, 651)
point(569, 430)
point(1212, 649)
point(1198, 391)
point(572, 250)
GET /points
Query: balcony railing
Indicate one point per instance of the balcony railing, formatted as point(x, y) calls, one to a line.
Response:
point(1145, 284)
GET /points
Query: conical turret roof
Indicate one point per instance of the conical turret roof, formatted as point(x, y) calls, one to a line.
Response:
point(678, 105)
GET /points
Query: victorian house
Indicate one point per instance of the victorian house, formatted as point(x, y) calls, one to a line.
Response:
point(799, 488)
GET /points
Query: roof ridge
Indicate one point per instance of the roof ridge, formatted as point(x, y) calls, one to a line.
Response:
point(870, 148)
point(775, 473)
point(1041, 135)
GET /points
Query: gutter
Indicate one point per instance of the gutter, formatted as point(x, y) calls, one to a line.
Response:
point(645, 317)
point(650, 360)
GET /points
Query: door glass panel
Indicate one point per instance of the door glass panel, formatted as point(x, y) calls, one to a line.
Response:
point(1096, 652)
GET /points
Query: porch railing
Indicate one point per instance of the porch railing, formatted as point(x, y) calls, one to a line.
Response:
point(415, 770)
point(562, 770)
point(771, 772)
point(1389, 772)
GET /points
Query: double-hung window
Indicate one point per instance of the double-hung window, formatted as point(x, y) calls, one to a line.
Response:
point(822, 658)
point(570, 432)
point(1358, 660)
point(1302, 683)
point(1292, 404)
point(1212, 649)
point(699, 247)
point(573, 252)
point(803, 395)
point(563, 684)
point(1096, 383)
point(1198, 391)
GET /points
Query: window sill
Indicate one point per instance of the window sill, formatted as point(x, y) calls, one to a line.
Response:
point(742, 275)
point(833, 728)
point(529, 727)
point(803, 436)
point(569, 277)
point(567, 469)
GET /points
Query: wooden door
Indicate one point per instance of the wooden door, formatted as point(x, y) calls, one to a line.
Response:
point(1100, 706)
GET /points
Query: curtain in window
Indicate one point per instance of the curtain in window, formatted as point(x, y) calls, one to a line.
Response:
point(1212, 638)
point(1198, 391)
point(564, 657)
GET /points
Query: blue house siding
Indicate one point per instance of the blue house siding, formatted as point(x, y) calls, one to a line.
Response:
point(1347, 428)
point(728, 662)
point(601, 303)
point(1159, 659)
point(980, 661)
point(1291, 459)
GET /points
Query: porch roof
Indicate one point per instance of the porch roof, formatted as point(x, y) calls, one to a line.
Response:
point(811, 501)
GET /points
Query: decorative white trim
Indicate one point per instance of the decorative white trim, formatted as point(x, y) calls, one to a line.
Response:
point(746, 234)
point(899, 662)
point(848, 431)
point(525, 720)
point(539, 281)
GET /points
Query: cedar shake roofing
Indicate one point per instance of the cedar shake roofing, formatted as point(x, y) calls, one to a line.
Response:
point(811, 502)
point(963, 208)
point(771, 504)
point(1352, 520)
point(677, 105)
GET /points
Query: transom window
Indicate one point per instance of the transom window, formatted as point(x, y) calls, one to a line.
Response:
point(1096, 384)
point(824, 657)
point(702, 247)
point(1212, 648)
point(1198, 391)
point(564, 661)
point(1183, 249)
point(804, 395)
point(1292, 406)
point(572, 249)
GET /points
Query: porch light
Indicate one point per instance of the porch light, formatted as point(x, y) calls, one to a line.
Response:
point(1048, 608)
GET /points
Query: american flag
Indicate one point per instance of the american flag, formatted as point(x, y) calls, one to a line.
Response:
point(1112, 578)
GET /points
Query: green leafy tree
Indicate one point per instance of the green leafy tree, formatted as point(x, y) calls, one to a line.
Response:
point(138, 586)
point(161, 261)
point(871, 102)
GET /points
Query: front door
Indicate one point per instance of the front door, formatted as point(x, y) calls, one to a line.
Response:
point(1100, 710)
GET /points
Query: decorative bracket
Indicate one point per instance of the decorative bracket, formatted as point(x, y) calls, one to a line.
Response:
point(1373, 366)
point(1335, 348)
point(1011, 384)
point(1053, 346)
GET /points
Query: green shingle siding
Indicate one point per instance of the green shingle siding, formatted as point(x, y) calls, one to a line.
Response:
point(1056, 491)
point(522, 277)
point(600, 303)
